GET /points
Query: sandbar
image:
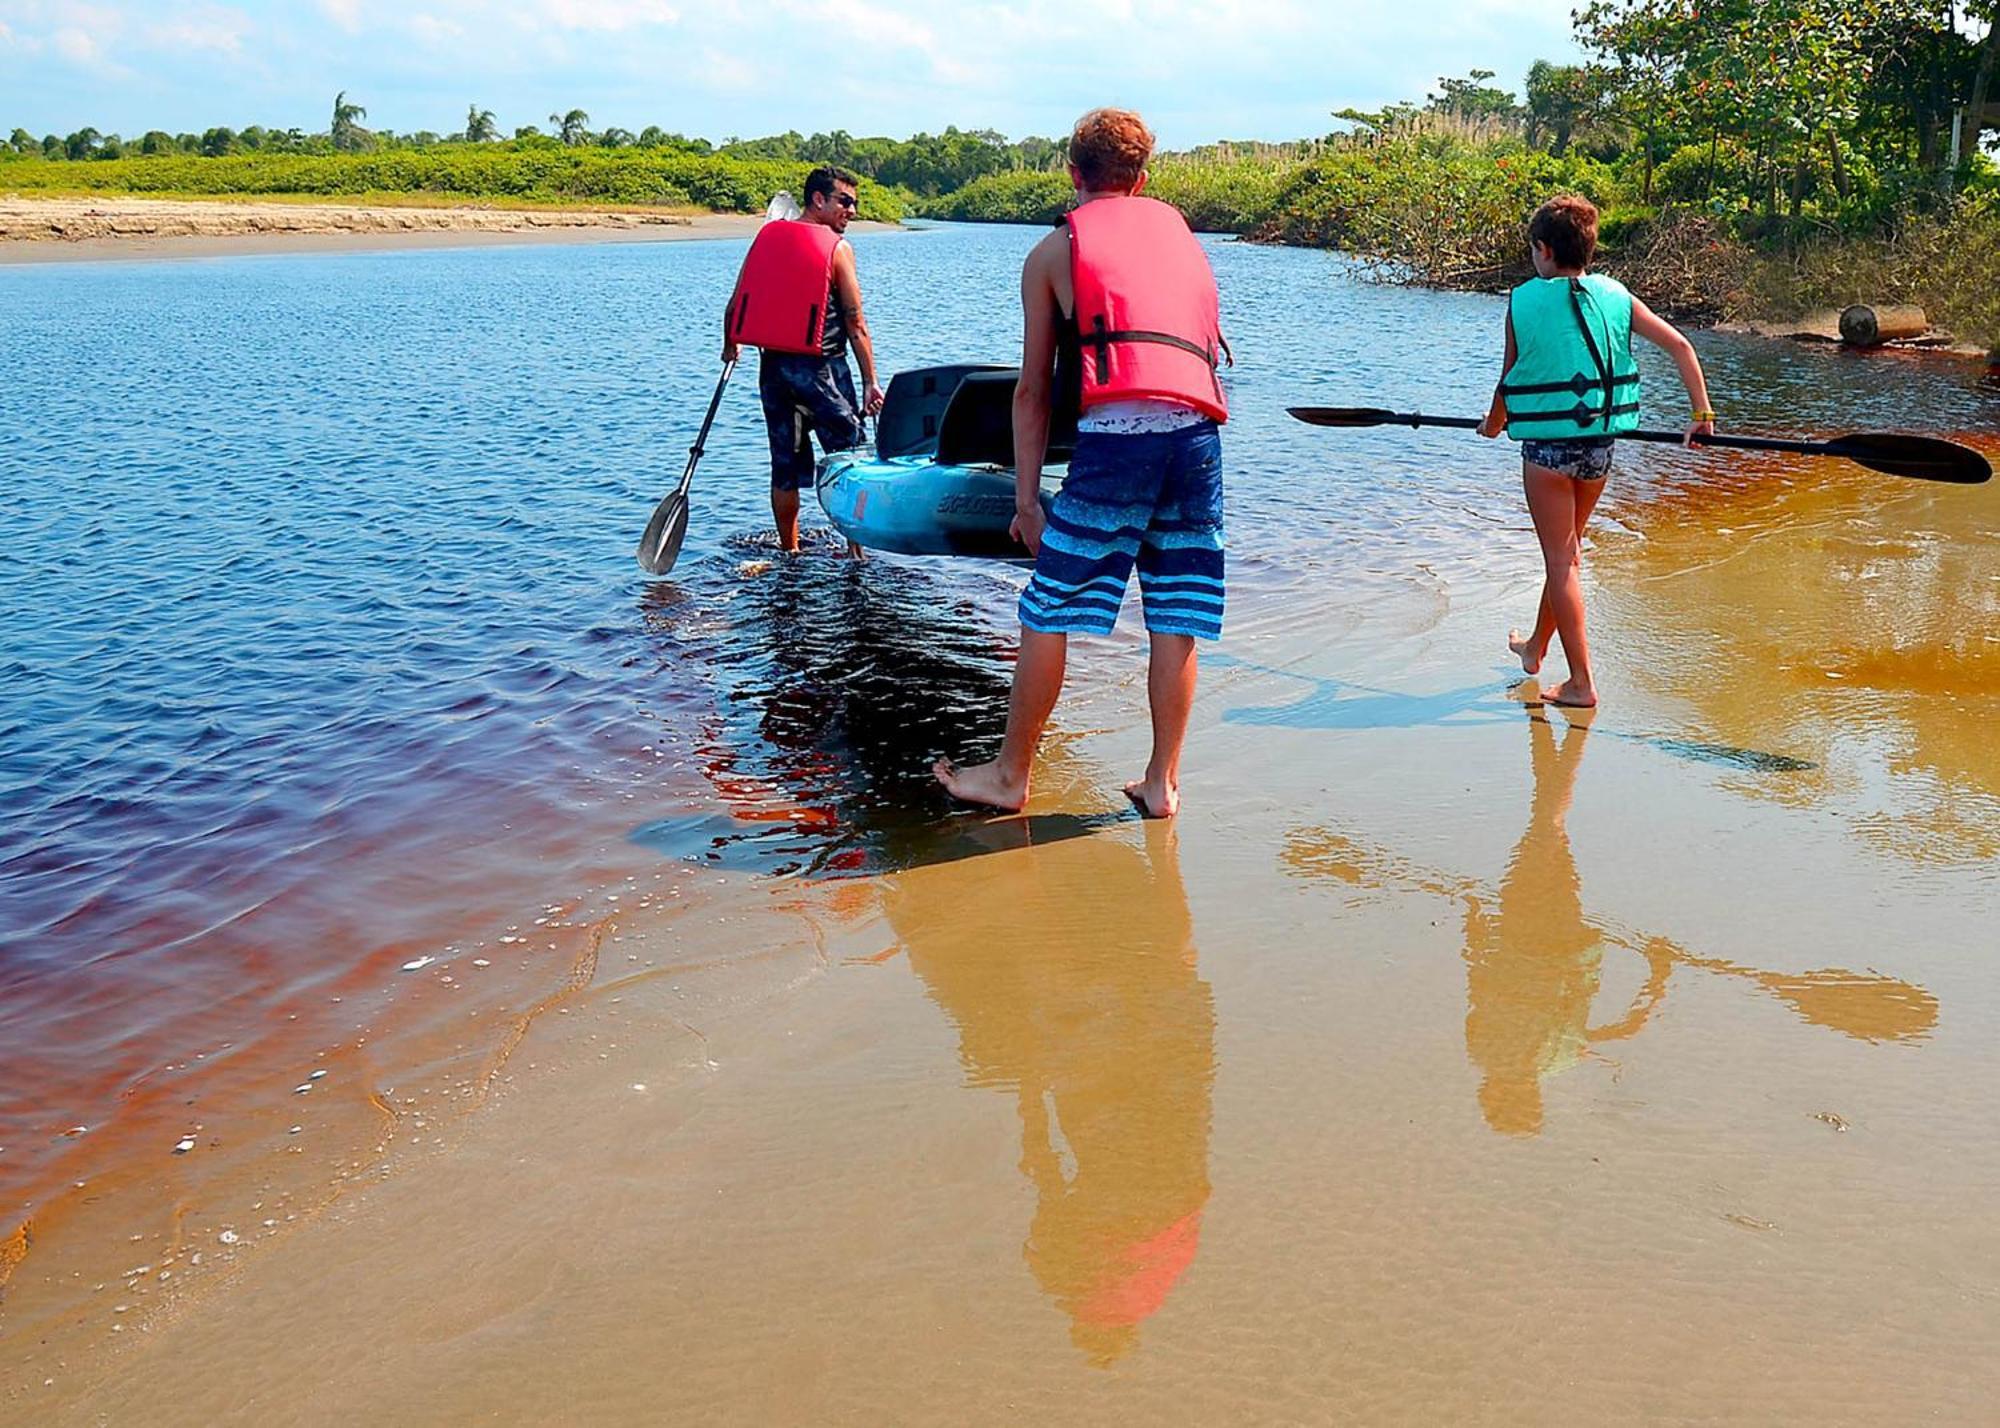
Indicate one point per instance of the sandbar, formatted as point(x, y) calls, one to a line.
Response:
point(69, 230)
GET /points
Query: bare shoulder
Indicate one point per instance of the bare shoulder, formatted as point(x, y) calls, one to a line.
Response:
point(1048, 257)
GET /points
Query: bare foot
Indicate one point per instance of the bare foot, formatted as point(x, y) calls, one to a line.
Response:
point(1524, 649)
point(1571, 695)
point(855, 552)
point(1154, 800)
point(982, 783)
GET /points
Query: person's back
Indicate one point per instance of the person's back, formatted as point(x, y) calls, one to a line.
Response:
point(798, 299)
point(1568, 387)
point(1124, 286)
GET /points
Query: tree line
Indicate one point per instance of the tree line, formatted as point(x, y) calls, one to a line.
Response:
point(1858, 107)
point(1837, 113)
point(923, 164)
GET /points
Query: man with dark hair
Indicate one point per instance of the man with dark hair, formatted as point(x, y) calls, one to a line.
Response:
point(799, 300)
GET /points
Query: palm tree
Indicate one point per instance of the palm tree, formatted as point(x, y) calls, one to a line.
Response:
point(574, 127)
point(347, 132)
point(479, 126)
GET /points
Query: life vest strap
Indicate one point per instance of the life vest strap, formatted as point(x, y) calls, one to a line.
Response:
point(1100, 339)
point(1582, 414)
point(1580, 384)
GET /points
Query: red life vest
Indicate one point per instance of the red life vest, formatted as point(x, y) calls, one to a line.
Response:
point(1149, 321)
point(782, 294)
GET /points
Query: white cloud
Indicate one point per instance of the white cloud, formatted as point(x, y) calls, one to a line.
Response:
point(728, 74)
point(435, 30)
point(607, 14)
point(221, 31)
point(77, 46)
point(344, 13)
point(870, 27)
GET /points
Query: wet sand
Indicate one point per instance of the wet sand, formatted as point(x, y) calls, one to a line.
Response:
point(1453, 1059)
point(69, 230)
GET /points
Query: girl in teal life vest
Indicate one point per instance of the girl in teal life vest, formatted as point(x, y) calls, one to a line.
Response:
point(1569, 386)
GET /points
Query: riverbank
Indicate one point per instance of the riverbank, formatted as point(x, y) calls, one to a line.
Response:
point(66, 230)
point(1370, 1061)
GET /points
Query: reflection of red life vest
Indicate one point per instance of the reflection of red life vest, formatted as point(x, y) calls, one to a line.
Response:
point(1148, 318)
point(781, 296)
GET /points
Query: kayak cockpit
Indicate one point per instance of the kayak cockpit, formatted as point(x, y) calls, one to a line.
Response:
point(939, 480)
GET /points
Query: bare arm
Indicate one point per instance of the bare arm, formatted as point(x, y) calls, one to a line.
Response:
point(1496, 414)
point(1665, 335)
point(847, 285)
point(730, 351)
point(1034, 393)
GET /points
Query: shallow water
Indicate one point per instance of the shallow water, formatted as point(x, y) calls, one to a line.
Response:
point(325, 655)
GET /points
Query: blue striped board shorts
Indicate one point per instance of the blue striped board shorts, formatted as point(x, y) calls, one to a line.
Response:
point(1153, 499)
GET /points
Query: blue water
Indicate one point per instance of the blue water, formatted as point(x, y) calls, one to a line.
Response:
point(320, 629)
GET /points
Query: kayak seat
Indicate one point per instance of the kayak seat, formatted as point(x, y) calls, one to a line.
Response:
point(977, 428)
point(913, 408)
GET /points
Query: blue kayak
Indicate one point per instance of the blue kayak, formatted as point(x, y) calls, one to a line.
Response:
point(939, 480)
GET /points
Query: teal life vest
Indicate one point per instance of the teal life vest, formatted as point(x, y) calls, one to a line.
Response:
point(1573, 374)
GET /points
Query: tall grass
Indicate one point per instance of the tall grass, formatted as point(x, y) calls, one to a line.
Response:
point(1219, 192)
point(1949, 265)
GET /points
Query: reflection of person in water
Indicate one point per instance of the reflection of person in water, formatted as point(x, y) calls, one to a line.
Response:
point(1534, 959)
point(1532, 967)
point(1105, 1033)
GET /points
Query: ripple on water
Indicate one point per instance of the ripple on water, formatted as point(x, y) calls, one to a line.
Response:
point(323, 648)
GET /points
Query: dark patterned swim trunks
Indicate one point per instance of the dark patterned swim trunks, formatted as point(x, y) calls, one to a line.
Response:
point(1583, 459)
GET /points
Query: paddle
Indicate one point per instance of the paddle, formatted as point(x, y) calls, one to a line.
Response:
point(660, 546)
point(1924, 458)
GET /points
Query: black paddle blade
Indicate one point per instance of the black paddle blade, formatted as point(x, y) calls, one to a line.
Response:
point(1927, 458)
point(660, 546)
point(1346, 416)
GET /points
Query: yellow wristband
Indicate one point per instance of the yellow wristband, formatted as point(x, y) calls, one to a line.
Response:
point(1702, 416)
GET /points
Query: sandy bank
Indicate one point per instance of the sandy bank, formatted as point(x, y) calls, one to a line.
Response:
point(1449, 1060)
point(66, 230)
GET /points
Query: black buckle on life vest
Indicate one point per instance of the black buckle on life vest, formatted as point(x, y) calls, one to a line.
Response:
point(1099, 340)
point(1586, 414)
point(1579, 385)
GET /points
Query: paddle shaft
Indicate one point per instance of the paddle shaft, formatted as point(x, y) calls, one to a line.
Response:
point(1736, 443)
point(701, 437)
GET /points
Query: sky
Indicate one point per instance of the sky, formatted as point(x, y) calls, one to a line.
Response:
point(1198, 69)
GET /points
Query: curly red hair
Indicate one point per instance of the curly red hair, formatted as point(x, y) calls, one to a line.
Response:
point(1110, 148)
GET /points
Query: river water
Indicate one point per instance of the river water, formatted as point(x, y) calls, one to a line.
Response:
point(338, 728)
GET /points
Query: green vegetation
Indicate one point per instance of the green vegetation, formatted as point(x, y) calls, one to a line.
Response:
point(1750, 156)
point(1947, 266)
point(1222, 189)
point(530, 171)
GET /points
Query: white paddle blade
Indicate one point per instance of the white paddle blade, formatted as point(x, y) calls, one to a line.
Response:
point(783, 205)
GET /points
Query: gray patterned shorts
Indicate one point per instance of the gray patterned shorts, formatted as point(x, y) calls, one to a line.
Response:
point(1583, 459)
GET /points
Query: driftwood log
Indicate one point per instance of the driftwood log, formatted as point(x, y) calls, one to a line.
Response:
point(1864, 326)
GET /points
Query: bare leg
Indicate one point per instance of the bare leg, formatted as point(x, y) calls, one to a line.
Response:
point(1532, 648)
point(1038, 678)
point(785, 511)
point(1558, 508)
point(1170, 682)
